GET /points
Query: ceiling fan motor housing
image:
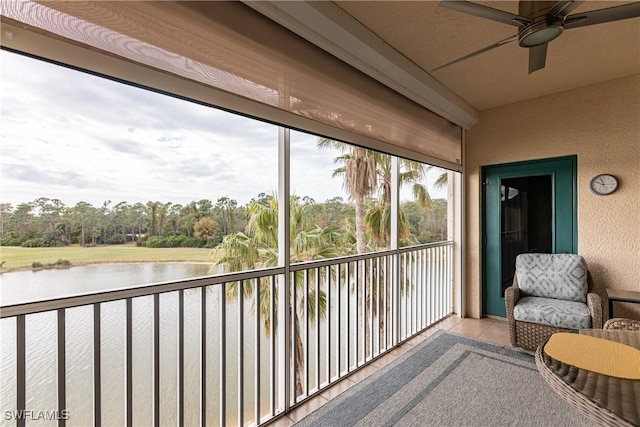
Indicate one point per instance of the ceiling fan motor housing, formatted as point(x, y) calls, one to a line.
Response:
point(542, 30)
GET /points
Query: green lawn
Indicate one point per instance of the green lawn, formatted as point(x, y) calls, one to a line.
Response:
point(16, 258)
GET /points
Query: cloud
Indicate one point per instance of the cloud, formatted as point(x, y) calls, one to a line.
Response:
point(28, 173)
point(129, 147)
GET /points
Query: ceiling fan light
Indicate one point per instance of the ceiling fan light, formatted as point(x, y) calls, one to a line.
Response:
point(540, 33)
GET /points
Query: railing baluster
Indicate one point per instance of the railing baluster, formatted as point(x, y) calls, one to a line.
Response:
point(223, 354)
point(317, 317)
point(431, 291)
point(129, 362)
point(441, 302)
point(257, 355)
point(241, 353)
point(371, 298)
point(398, 299)
point(439, 283)
point(420, 279)
point(203, 356)
point(388, 304)
point(328, 340)
point(378, 300)
point(272, 331)
point(357, 323)
point(385, 303)
point(294, 338)
point(62, 365)
point(97, 367)
point(305, 342)
point(412, 290)
point(348, 291)
point(434, 284)
point(394, 303)
point(365, 308)
point(21, 392)
point(449, 282)
point(181, 357)
point(338, 321)
point(418, 291)
point(407, 290)
point(425, 288)
point(156, 360)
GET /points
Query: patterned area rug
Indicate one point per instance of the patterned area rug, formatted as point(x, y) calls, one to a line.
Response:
point(450, 380)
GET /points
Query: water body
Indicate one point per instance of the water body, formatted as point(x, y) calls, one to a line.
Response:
point(27, 286)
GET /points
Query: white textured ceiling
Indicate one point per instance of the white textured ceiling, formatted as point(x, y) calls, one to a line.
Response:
point(430, 36)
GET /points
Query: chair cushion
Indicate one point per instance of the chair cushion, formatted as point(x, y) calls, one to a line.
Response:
point(553, 312)
point(559, 276)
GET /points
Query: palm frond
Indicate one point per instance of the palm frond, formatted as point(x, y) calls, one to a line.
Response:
point(421, 195)
point(237, 252)
point(441, 181)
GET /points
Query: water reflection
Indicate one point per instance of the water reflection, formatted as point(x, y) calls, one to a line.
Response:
point(26, 286)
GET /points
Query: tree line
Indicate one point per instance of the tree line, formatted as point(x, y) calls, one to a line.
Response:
point(47, 222)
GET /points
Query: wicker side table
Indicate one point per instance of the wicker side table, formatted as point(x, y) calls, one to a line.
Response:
point(619, 323)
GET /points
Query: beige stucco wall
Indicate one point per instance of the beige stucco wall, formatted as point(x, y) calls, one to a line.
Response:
point(601, 125)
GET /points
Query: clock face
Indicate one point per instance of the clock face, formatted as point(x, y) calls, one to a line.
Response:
point(604, 184)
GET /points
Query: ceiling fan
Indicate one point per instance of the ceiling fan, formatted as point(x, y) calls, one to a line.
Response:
point(538, 23)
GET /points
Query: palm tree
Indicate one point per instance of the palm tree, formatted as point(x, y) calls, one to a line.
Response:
point(359, 170)
point(378, 216)
point(258, 247)
point(363, 172)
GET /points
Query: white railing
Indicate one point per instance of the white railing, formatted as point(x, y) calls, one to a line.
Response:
point(212, 350)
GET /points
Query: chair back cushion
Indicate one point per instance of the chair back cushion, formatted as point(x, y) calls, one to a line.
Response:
point(558, 276)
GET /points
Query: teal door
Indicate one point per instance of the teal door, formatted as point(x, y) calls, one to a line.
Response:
point(527, 207)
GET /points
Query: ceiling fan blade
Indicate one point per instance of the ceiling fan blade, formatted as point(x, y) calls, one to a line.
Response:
point(478, 52)
point(485, 12)
point(564, 7)
point(537, 57)
point(600, 16)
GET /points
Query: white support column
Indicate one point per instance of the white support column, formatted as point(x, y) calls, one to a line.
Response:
point(395, 244)
point(456, 232)
point(284, 318)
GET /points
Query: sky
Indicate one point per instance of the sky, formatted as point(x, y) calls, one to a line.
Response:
point(76, 137)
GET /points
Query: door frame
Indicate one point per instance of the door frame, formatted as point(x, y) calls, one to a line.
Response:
point(563, 170)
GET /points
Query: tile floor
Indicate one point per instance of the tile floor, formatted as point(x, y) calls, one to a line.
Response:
point(490, 330)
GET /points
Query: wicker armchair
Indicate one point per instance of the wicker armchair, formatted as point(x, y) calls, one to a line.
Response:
point(552, 296)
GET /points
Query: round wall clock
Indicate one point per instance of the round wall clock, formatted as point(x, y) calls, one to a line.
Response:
point(603, 184)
